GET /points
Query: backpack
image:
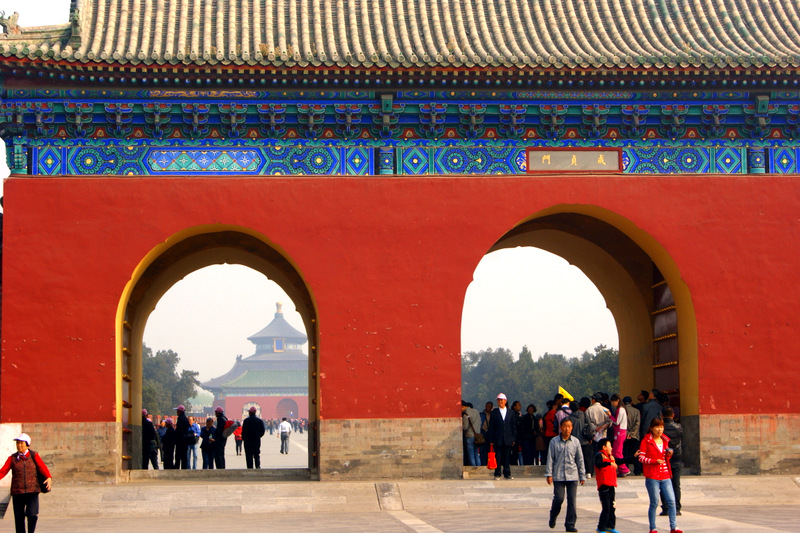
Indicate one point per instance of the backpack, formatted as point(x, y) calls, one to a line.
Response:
point(557, 421)
point(587, 432)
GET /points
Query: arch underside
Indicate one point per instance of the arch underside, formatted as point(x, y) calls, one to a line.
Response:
point(622, 270)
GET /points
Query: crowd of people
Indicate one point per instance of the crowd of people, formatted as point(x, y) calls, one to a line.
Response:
point(180, 441)
point(607, 435)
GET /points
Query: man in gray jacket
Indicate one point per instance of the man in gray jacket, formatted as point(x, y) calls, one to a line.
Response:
point(565, 469)
point(470, 425)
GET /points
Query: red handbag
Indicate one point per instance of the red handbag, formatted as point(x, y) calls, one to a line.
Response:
point(491, 464)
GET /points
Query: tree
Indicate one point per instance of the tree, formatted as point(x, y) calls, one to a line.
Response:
point(162, 388)
point(488, 372)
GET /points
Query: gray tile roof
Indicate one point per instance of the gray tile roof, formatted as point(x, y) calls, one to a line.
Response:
point(592, 34)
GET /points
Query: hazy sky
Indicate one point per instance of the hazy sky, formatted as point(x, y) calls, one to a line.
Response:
point(521, 296)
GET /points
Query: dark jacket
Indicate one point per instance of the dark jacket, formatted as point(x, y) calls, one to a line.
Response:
point(578, 420)
point(205, 435)
point(252, 430)
point(528, 427)
point(650, 410)
point(218, 437)
point(169, 439)
point(674, 431)
point(182, 430)
point(503, 432)
point(148, 433)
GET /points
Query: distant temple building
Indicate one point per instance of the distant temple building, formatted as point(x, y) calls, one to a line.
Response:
point(274, 379)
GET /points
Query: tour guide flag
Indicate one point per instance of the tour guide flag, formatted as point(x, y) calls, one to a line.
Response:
point(565, 394)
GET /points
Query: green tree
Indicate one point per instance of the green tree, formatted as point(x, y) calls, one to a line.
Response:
point(490, 371)
point(162, 387)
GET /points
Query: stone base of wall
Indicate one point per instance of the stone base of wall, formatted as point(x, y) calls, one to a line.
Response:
point(750, 444)
point(373, 449)
point(77, 452)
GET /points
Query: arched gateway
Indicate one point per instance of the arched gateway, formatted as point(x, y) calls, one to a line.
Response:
point(367, 156)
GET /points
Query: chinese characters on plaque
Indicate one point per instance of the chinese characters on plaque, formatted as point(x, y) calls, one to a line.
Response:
point(577, 160)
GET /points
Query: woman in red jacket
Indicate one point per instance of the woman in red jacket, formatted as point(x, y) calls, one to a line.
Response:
point(654, 454)
point(24, 466)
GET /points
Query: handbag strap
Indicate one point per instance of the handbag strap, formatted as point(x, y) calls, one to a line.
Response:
point(472, 425)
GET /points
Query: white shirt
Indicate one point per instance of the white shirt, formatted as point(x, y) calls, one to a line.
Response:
point(622, 418)
point(503, 411)
point(284, 427)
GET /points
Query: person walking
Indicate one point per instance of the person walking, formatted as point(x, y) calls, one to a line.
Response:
point(284, 430)
point(252, 431)
point(654, 454)
point(237, 436)
point(26, 466)
point(564, 470)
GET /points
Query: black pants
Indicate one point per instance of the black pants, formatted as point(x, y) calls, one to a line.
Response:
point(503, 455)
point(608, 516)
point(182, 456)
point(588, 457)
point(150, 455)
point(219, 454)
point(252, 454)
point(529, 454)
point(676, 466)
point(571, 488)
point(26, 505)
point(168, 455)
point(628, 449)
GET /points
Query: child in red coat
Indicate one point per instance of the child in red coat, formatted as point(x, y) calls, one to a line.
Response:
point(605, 470)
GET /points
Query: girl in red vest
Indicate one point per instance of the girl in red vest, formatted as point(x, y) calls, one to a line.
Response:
point(605, 472)
point(24, 466)
point(654, 454)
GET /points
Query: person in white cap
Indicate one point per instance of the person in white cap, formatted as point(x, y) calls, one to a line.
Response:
point(503, 425)
point(25, 465)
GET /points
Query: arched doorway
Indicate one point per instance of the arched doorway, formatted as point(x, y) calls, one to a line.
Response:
point(643, 289)
point(286, 408)
point(166, 264)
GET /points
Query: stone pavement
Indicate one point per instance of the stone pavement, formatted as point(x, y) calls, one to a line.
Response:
point(476, 504)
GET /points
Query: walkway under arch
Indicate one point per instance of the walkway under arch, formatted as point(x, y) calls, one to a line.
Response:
point(168, 263)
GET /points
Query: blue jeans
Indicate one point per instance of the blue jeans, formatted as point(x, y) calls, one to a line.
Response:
point(472, 455)
point(664, 486)
point(191, 457)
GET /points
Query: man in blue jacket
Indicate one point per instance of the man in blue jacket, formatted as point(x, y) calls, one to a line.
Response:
point(503, 426)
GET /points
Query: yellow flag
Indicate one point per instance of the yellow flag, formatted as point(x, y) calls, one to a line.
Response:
point(565, 394)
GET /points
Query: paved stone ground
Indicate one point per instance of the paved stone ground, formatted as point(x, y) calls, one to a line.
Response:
point(710, 504)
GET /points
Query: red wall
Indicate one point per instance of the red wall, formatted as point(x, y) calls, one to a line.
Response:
point(388, 261)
